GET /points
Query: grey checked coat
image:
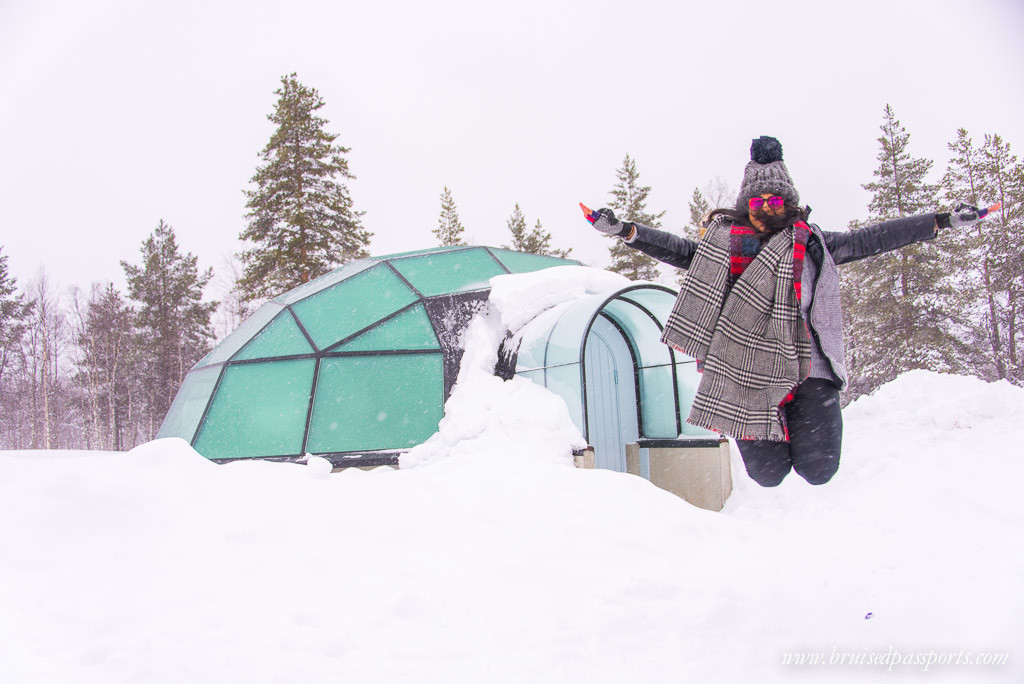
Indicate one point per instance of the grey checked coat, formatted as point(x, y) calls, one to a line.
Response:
point(751, 338)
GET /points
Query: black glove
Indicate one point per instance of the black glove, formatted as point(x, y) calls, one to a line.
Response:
point(609, 225)
point(963, 215)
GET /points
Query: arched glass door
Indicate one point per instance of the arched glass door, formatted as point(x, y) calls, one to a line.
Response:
point(611, 394)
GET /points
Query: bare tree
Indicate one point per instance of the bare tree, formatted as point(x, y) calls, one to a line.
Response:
point(233, 308)
point(102, 332)
point(718, 193)
point(45, 340)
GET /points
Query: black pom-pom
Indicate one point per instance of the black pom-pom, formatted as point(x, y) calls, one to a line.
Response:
point(765, 150)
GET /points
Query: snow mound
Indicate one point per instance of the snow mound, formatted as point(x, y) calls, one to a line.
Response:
point(488, 558)
point(923, 398)
point(520, 297)
point(490, 418)
point(318, 467)
point(517, 419)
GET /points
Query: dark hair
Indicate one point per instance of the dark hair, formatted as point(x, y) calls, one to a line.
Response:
point(740, 217)
point(791, 214)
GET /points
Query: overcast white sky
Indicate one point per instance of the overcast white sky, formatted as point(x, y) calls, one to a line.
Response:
point(115, 115)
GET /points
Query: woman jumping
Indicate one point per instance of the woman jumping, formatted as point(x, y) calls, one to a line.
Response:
point(759, 310)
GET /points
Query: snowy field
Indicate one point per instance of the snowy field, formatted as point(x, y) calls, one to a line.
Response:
point(489, 558)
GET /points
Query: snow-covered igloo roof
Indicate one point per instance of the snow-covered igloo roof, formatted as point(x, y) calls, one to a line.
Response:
point(356, 362)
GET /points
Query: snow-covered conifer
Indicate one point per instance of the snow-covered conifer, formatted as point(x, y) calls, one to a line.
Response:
point(14, 311)
point(449, 228)
point(173, 321)
point(301, 220)
point(897, 304)
point(536, 241)
point(629, 201)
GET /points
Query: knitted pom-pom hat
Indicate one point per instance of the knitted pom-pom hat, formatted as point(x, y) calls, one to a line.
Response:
point(766, 172)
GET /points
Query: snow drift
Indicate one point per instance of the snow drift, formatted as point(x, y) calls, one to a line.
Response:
point(488, 558)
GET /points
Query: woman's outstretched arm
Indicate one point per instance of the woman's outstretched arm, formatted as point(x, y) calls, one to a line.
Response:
point(847, 246)
point(671, 249)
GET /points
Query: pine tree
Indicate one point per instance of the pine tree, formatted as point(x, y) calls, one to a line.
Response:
point(537, 241)
point(1001, 233)
point(173, 322)
point(716, 193)
point(629, 201)
point(978, 293)
point(699, 208)
point(694, 230)
point(516, 223)
point(898, 303)
point(14, 312)
point(989, 254)
point(301, 217)
point(449, 228)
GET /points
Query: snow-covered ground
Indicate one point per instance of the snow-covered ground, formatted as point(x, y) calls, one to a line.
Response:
point(489, 558)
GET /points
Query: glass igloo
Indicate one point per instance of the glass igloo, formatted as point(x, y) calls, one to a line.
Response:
point(354, 366)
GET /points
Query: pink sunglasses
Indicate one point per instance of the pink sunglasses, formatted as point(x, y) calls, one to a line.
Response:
point(756, 203)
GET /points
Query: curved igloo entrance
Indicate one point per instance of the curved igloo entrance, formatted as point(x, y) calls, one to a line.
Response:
point(604, 356)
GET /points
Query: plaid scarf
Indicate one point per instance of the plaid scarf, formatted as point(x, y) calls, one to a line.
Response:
point(738, 312)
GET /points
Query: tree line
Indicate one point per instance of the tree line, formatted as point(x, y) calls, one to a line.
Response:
point(99, 369)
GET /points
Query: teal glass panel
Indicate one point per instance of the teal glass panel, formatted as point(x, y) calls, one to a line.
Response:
point(259, 410)
point(242, 334)
point(281, 338)
point(567, 382)
point(688, 379)
point(189, 403)
point(658, 403)
point(643, 333)
point(535, 335)
point(531, 353)
point(536, 376)
point(366, 403)
point(518, 262)
point(566, 342)
point(658, 302)
point(431, 250)
point(680, 357)
point(408, 330)
point(353, 304)
point(448, 272)
point(325, 281)
point(555, 336)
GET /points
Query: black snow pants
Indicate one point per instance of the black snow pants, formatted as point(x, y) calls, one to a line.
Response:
point(815, 433)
